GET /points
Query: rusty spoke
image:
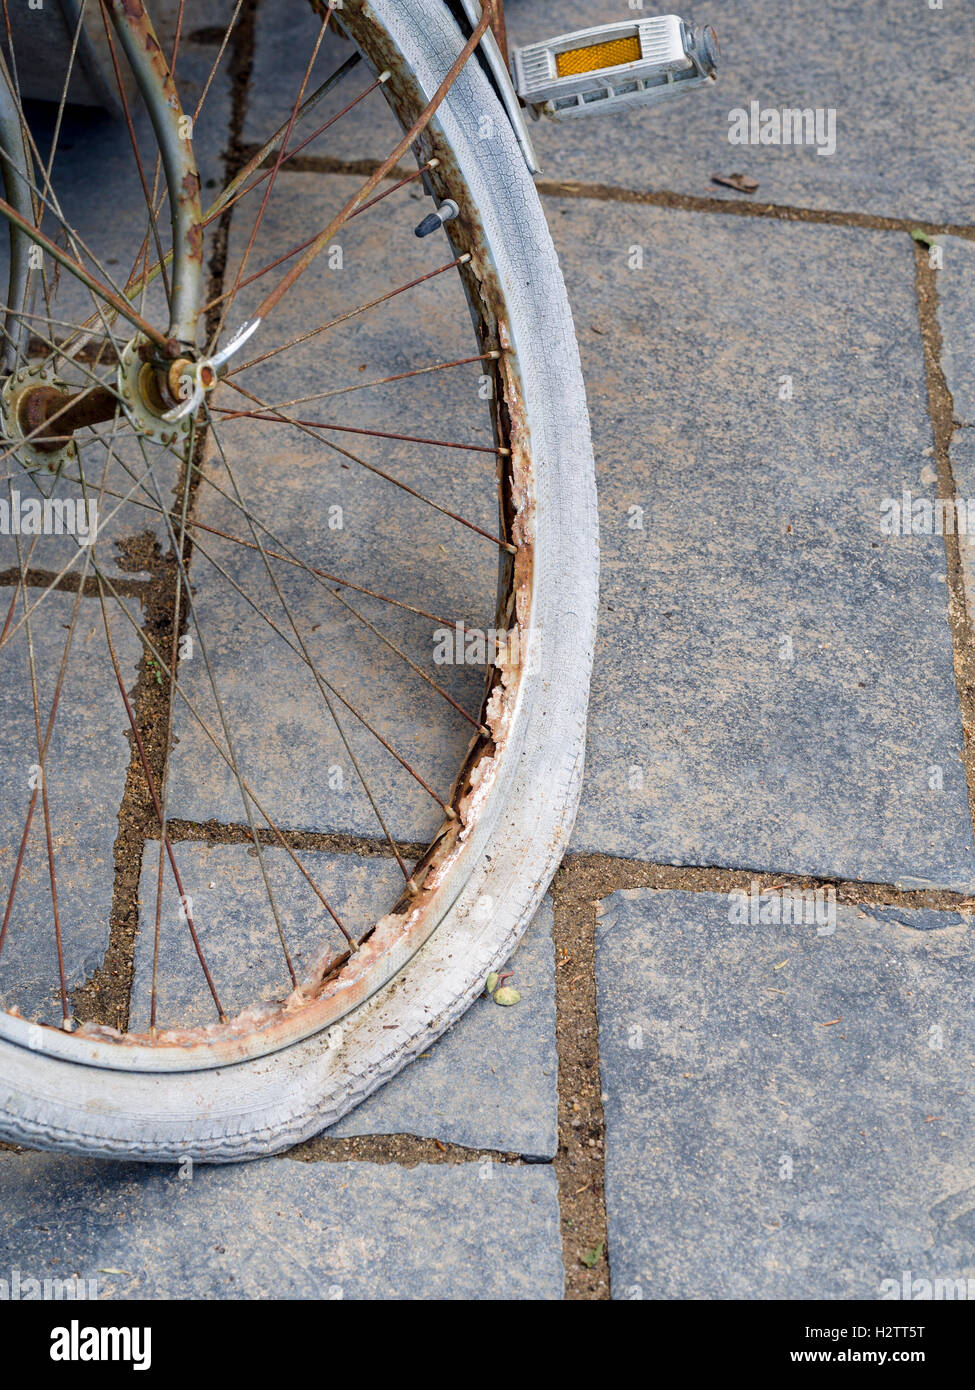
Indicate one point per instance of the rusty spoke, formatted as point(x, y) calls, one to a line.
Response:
point(147, 773)
point(217, 60)
point(386, 380)
point(277, 165)
point(344, 318)
point(380, 473)
point(204, 651)
point(272, 416)
point(97, 288)
point(12, 630)
point(296, 250)
point(237, 190)
point(296, 648)
point(43, 747)
point(214, 741)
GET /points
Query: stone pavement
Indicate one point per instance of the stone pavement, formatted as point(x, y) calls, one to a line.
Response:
point(788, 1106)
point(752, 1095)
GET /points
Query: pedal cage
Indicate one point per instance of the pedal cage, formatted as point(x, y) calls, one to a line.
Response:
point(615, 66)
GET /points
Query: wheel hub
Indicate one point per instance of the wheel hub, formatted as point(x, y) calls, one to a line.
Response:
point(29, 398)
point(149, 392)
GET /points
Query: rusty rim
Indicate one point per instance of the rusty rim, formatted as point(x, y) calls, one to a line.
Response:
point(83, 359)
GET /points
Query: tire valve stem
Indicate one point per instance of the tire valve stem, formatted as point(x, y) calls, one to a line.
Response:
point(446, 212)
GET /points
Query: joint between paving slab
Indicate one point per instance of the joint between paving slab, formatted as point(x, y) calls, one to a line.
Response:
point(580, 1159)
point(664, 198)
point(736, 207)
point(941, 412)
point(215, 832)
point(71, 582)
point(329, 164)
point(607, 873)
point(404, 1150)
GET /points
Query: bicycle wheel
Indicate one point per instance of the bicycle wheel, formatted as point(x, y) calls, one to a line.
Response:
point(449, 684)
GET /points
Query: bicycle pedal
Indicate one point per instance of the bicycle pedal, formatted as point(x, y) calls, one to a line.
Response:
point(614, 66)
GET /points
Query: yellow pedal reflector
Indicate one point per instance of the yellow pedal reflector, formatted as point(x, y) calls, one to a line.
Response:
point(598, 55)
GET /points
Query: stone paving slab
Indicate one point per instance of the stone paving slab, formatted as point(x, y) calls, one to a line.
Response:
point(492, 1081)
point(895, 73)
point(328, 511)
point(86, 770)
point(774, 678)
point(312, 1230)
point(788, 1113)
point(956, 317)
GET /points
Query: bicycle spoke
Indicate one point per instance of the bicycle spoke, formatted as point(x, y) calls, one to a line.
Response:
point(121, 306)
point(272, 415)
point(296, 648)
point(344, 318)
point(217, 60)
point(214, 741)
point(280, 157)
point(147, 773)
point(324, 687)
point(296, 250)
point(228, 738)
point(238, 189)
point(312, 431)
point(43, 746)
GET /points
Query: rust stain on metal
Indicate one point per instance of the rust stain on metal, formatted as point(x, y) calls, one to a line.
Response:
point(37, 405)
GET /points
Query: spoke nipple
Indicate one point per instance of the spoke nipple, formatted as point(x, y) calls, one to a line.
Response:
point(511, 549)
point(384, 76)
point(412, 887)
point(494, 354)
point(450, 813)
point(446, 212)
point(433, 163)
point(462, 260)
point(67, 1025)
point(505, 453)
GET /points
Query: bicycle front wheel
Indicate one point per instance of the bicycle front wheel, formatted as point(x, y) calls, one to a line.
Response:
point(234, 876)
